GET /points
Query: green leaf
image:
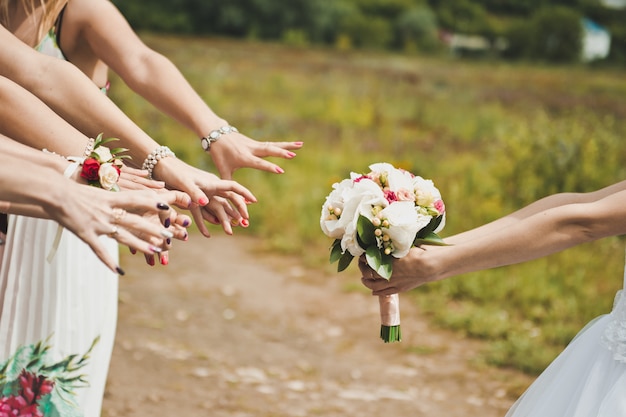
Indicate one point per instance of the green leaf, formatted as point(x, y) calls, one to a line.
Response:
point(365, 230)
point(107, 140)
point(385, 268)
point(335, 251)
point(373, 257)
point(431, 239)
point(379, 262)
point(344, 261)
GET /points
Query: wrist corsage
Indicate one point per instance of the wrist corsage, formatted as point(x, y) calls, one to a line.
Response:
point(102, 166)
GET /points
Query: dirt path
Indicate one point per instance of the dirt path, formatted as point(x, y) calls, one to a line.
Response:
point(223, 331)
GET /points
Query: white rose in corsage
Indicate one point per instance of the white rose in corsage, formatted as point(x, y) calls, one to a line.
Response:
point(382, 214)
point(102, 167)
point(109, 175)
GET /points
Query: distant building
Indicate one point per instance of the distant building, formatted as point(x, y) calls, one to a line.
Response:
point(614, 4)
point(596, 41)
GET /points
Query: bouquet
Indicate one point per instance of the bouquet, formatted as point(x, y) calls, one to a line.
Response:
point(381, 215)
point(102, 166)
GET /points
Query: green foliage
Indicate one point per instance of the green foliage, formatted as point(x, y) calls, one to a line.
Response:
point(534, 29)
point(493, 137)
point(552, 34)
point(417, 26)
point(558, 35)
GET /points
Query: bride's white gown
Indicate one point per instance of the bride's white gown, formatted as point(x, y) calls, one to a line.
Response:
point(588, 379)
point(73, 299)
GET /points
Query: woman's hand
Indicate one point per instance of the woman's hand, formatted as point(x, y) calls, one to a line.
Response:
point(235, 150)
point(415, 269)
point(202, 187)
point(90, 212)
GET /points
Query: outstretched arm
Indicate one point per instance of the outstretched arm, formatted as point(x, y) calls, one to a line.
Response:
point(538, 233)
point(39, 189)
point(70, 94)
point(158, 80)
point(538, 206)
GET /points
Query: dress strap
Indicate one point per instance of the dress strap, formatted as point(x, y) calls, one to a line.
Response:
point(57, 28)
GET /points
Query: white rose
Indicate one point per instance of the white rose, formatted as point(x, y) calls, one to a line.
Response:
point(381, 167)
point(404, 223)
point(104, 154)
point(349, 241)
point(336, 199)
point(425, 192)
point(400, 180)
point(108, 176)
point(359, 201)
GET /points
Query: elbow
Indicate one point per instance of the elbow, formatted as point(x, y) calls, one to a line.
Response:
point(141, 71)
point(584, 228)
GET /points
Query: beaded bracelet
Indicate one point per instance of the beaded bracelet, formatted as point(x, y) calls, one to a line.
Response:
point(154, 157)
point(89, 148)
point(214, 135)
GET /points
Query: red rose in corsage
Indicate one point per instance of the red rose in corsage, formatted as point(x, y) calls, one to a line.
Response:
point(103, 165)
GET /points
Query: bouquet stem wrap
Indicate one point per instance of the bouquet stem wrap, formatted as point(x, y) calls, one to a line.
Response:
point(390, 318)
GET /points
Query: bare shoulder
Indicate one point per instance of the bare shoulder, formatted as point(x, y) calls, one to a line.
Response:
point(88, 11)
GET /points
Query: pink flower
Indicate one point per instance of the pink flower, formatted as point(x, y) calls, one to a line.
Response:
point(390, 196)
point(361, 178)
point(17, 406)
point(405, 195)
point(439, 206)
point(34, 386)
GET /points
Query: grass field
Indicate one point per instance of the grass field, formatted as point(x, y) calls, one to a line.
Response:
point(493, 136)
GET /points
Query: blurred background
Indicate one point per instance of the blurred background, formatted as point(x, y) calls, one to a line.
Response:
point(499, 102)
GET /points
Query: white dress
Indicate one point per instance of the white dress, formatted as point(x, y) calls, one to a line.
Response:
point(70, 302)
point(588, 379)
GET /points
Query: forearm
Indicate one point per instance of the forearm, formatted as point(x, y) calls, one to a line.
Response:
point(70, 94)
point(34, 185)
point(93, 113)
point(536, 235)
point(28, 120)
point(552, 201)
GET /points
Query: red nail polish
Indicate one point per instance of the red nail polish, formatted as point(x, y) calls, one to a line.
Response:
point(164, 259)
point(150, 260)
point(203, 201)
point(133, 251)
point(245, 223)
point(279, 170)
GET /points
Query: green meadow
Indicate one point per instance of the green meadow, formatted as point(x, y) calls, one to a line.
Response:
point(493, 136)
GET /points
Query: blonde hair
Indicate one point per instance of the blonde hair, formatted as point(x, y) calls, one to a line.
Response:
point(51, 10)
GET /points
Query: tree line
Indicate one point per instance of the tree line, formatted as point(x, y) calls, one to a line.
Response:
point(410, 25)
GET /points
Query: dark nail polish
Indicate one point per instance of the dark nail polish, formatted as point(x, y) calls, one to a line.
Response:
point(167, 222)
point(186, 223)
point(120, 270)
point(133, 251)
point(169, 241)
point(163, 206)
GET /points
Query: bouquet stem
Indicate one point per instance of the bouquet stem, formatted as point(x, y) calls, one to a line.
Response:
point(390, 318)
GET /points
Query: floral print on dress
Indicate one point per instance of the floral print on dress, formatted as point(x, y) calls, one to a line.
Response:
point(32, 385)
